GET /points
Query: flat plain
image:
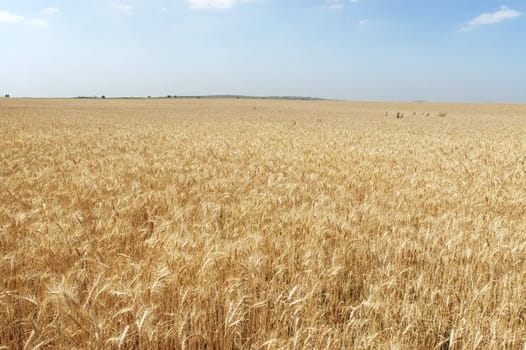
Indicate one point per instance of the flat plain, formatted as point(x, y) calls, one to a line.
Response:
point(261, 224)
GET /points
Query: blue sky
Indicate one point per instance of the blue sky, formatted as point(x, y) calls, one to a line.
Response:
point(396, 50)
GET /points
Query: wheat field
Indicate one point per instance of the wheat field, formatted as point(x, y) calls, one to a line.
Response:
point(260, 224)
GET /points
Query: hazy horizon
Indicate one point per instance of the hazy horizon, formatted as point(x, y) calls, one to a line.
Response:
point(357, 50)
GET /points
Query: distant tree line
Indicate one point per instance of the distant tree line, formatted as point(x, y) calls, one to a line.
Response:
point(104, 96)
point(89, 97)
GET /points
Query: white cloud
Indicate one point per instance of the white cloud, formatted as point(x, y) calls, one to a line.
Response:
point(214, 4)
point(502, 14)
point(51, 11)
point(124, 8)
point(7, 17)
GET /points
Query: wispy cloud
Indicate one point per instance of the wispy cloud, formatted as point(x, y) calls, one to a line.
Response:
point(8, 17)
point(502, 14)
point(337, 4)
point(124, 8)
point(36, 22)
point(51, 11)
point(214, 4)
point(334, 4)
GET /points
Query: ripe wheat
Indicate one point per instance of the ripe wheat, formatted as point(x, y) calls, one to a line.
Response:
point(245, 224)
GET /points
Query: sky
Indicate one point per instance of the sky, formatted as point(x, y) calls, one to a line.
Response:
point(367, 50)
